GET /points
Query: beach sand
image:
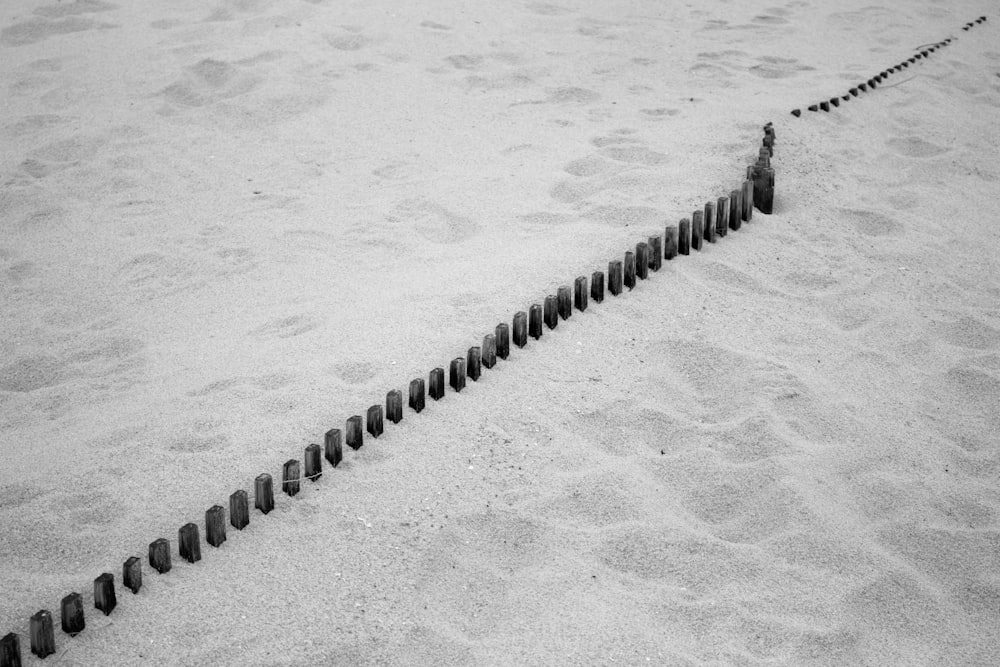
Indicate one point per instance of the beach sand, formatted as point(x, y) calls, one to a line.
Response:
point(228, 228)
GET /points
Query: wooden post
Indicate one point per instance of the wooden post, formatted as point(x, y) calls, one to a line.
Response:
point(393, 407)
point(104, 593)
point(353, 433)
point(132, 573)
point(215, 522)
point(629, 277)
point(684, 237)
point(43, 636)
point(520, 328)
point(710, 222)
point(313, 462)
point(763, 189)
point(551, 312)
point(615, 277)
point(722, 216)
point(642, 260)
point(655, 252)
point(436, 389)
point(10, 650)
point(375, 423)
point(535, 321)
point(697, 229)
point(72, 614)
point(159, 555)
point(564, 298)
point(474, 363)
point(502, 332)
point(489, 351)
point(417, 390)
point(263, 493)
point(670, 239)
point(456, 374)
point(735, 209)
point(747, 200)
point(580, 293)
point(189, 543)
point(597, 286)
point(239, 509)
point(332, 449)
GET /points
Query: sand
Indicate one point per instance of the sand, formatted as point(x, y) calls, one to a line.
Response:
point(228, 228)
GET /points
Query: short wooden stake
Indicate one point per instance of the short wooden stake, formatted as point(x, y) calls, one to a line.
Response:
point(291, 477)
point(796, 112)
point(597, 286)
point(104, 593)
point(456, 374)
point(520, 328)
point(710, 222)
point(825, 106)
point(417, 390)
point(132, 573)
point(615, 277)
point(722, 216)
point(43, 636)
point(697, 229)
point(535, 321)
point(489, 351)
point(189, 543)
point(72, 614)
point(642, 260)
point(332, 448)
point(655, 252)
point(353, 433)
point(629, 277)
point(763, 189)
point(551, 312)
point(312, 461)
point(684, 237)
point(215, 523)
point(10, 650)
point(747, 200)
point(474, 363)
point(263, 493)
point(159, 555)
point(393, 407)
point(580, 294)
point(564, 298)
point(239, 509)
point(670, 240)
point(374, 422)
point(735, 209)
point(835, 101)
point(436, 388)
point(502, 332)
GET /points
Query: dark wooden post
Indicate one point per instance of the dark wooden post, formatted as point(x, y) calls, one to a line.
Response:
point(72, 614)
point(417, 395)
point(747, 200)
point(670, 242)
point(722, 216)
point(629, 273)
point(436, 389)
point(735, 209)
point(290, 476)
point(313, 462)
point(763, 189)
point(375, 420)
point(159, 555)
point(132, 574)
point(263, 492)
point(215, 524)
point(10, 650)
point(615, 277)
point(43, 636)
point(684, 237)
point(655, 252)
point(520, 328)
point(551, 312)
point(710, 222)
point(535, 321)
point(502, 332)
point(456, 374)
point(642, 260)
point(597, 286)
point(239, 509)
point(697, 229)
point(580, 293)
point(474, 363)
point(189, 543)
point(489, 351)
point(104, 593)
point(393, 407)
point(565, 302)
point(353, 433)
point(332, 449)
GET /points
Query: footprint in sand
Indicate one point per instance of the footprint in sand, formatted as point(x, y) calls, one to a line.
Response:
point(286, 327)
point(209, 81)
point(912, 146)
point(56, 19)
point(434, 222)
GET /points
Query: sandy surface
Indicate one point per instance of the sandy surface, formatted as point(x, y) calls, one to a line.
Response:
point(228, 228)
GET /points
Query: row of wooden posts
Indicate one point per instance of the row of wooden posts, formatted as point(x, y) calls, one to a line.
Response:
point(716, 220)
point(877, 79)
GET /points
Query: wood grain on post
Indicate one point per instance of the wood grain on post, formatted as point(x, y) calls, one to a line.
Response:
point(417, 391)
point(722, 216)
point(374, 420)
point(436, 389)
point(551, 312)
point(291, 477)
point(456, 374)
point(42, 634)
point(520, 328)
point(489, 351)
point(597, 286)
point(474, 363)
point(629, 275)
point(684, 237)
point(263, 492)
point(642, 260)
point(189, 543)
point(580, 293)
point(10, 650)
point(697, 229)
point(535, 321)
point(747, 201)
point(655, 252)
point(735, 210)
point(312, 461)
point(353, 433)
point(670, 242)
point(615, 277)
point(502, 332)
point(132, 573)
point(239, 509)
point(393, 406)
point(104, 593)
point(564, 299)
point(215, 525)
point(72, 614)
point(710, 222)
point(159, 555)
point(333, 451)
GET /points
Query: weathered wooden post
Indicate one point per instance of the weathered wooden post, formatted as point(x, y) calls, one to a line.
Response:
point(159, 555)
point(474, 363)
point(312, 461)
point(189, 543)
point(215, 524)
point(263, 492)
point(684, 237)
point(417, 395)
point(564, 302)
point(502, 333)
point(580, 293)
point(655, 252)
point(670, 242)
point(551, 312)
point(629, 277)
point(72, 614)
point(489, 348)
point(615, 278)
point(747, 200)
point(763, 188)
point(642, 260)
point(43, 636)
point(104, 593)
point(735, 210)
point(710, 222)
point(520, 328)
point(291, 476)
point(722, 216)
point(535, 321)
point(456, 374)
point(697, 229)
point(239, 509)
point(353, 433)
point(332, 449)
point(374, 421)
point(10, 650)
point(436, 389)
point(132, 573)
point(597, 286)
point(393, 407)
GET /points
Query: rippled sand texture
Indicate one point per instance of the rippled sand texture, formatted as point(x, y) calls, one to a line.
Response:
point(227, 228)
